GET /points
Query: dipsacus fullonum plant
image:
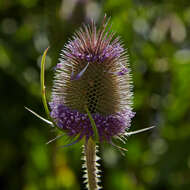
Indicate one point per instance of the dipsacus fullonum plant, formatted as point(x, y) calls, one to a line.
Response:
point(92, 93)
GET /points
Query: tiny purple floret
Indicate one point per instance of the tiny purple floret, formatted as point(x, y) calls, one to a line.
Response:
point(123, 72)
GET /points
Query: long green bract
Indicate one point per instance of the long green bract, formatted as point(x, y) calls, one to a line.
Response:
point(94, 127)
point(42, 78)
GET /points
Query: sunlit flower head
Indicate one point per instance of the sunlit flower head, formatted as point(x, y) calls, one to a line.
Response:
point(93, 72)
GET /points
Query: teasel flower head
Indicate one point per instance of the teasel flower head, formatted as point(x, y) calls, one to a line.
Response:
point(91, 94)
point(93, 75)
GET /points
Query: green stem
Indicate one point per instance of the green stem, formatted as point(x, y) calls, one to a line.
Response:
point(42, 77)
point(90, 158)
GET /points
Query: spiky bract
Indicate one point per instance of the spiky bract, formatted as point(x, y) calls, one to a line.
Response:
point(93, 71)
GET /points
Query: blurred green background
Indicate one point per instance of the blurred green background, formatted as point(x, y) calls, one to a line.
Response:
point(157, 36)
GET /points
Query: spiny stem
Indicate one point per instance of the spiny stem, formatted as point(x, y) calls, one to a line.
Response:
point(90, 164)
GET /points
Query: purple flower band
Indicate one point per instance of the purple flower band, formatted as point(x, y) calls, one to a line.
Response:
point(109, 52)
point(75, 123)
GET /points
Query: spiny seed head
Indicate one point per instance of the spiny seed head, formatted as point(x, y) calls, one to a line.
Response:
point(93, 72)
